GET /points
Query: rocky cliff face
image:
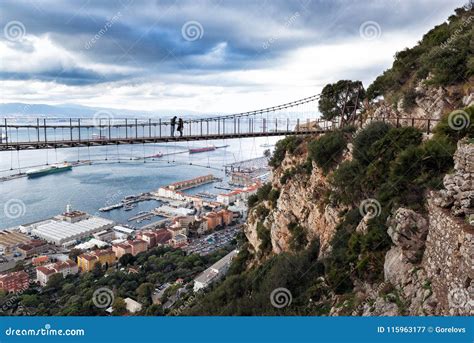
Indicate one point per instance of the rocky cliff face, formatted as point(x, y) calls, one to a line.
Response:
point(430, 103)
point(302, 200)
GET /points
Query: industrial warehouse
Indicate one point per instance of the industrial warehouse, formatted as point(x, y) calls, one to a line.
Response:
point(69, 227)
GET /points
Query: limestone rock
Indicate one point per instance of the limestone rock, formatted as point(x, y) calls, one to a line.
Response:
point(408, 230)
point(459, 186)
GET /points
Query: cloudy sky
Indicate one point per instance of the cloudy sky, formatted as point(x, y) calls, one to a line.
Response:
point(207, 56)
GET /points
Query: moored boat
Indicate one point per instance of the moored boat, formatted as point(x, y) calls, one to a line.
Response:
point(204, 149)
point(54, 168)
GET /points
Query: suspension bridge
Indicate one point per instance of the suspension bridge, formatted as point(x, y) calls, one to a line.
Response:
point(53, 133)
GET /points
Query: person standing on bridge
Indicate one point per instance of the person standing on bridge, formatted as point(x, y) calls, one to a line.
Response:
point(173, 124)
point(180, 127)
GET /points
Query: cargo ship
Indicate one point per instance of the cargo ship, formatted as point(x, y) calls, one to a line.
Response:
point(204, 149)
point(54, 168)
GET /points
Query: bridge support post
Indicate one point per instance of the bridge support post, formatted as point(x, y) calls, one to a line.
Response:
point(136, 128)
point(149, 127)
point(6, 132)
point(45, 132)
point(126, 129)
point(37, 129)
point(159, 122)
point(70, 129)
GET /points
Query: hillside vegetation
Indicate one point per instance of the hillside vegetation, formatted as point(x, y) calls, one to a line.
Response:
point(445, 55)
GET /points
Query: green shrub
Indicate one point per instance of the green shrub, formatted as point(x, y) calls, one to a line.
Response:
point(457, 124)
point(262, 212)
point(264, 237)
point(438, 155)
point(327, 149)
point(385, 150)
point(252, 200)
point(273, 196)
point(298, 239)
point(261, 195)
point(365, 138)
point(287, 174)
point(262, 192)
point(287, 144)
point(301, 169)
point(409, 99)
point(347, 182)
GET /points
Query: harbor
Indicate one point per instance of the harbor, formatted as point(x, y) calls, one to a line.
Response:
point(169, 205)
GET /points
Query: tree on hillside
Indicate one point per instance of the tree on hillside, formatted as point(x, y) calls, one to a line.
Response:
point(119, 306)
point(341, 99)
point(126, 259)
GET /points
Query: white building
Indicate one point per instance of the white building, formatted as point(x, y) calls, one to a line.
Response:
point(238, 194)
point(239, 207)
point(170, 194)
point(44, 273)
point(122, 232)
point(214, 272)
point(132, 305)
point(91, 243)
point(61, 232)
point(173, 212)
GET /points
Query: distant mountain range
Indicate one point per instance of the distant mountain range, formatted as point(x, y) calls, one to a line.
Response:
point(19, 110)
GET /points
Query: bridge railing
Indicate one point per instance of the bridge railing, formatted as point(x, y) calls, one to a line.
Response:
point(57, 132)
point(424, 124)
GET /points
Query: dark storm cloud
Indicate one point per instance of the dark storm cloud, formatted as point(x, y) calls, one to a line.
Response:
point(147, 36)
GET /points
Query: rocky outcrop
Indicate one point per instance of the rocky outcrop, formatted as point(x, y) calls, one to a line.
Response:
point(459, 186)
point(302, 200)
point(430, 103)
point(408, 231)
